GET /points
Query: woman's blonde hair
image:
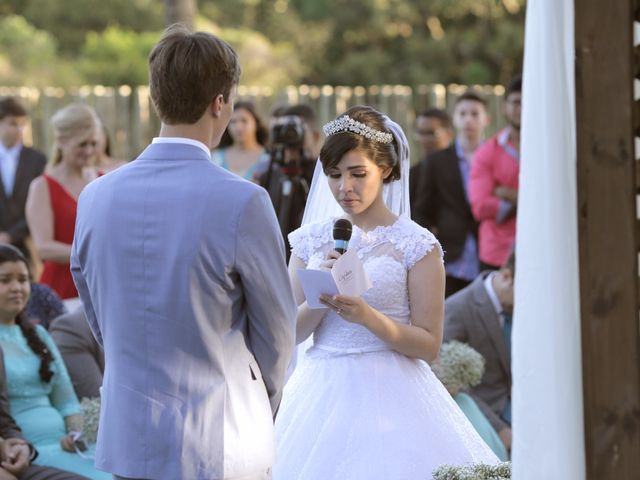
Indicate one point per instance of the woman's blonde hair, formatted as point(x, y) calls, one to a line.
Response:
point(74, 120)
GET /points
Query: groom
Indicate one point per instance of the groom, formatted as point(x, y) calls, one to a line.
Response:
point(181, 270)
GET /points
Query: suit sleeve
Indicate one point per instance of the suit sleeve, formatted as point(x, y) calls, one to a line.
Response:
point(425, 196)
point(78, 255)
point(271, 308)
point(454, 327)
point(484, 204)
point(80, 353)
point(19, 230)
point(455, 312)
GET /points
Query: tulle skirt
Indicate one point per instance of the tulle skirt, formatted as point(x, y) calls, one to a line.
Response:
point(370, 416)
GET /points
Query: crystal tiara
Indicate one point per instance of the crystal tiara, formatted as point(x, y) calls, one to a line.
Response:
point(346, 123)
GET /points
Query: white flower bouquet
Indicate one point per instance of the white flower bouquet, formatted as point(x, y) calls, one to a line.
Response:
point(91, 413)
point(501, 471)
point(459, 366)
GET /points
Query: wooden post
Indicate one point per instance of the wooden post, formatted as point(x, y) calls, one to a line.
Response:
point(608, 237)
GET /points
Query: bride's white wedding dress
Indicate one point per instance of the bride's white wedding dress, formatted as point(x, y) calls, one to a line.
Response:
point(354, 409)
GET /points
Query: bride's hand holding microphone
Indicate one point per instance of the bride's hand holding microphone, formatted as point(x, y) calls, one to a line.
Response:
point(341, 235)
point(327, 264)
point(352, 309)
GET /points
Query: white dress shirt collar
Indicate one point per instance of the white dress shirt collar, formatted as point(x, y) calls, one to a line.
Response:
point(488, 285)
point(9, 158)
point(184, 141)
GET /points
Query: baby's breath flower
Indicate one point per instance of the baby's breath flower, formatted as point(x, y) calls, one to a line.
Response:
point(459, 366)
point(91, 413)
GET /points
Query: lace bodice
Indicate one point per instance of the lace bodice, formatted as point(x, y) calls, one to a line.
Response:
point(387, 253)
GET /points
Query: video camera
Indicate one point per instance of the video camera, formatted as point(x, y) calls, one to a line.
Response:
point(287, 132)
point(285, 178)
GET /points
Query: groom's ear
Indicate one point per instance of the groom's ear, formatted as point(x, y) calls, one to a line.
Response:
point(216, 106)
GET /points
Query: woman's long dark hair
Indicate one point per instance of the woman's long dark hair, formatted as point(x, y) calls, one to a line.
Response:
point(8, 253)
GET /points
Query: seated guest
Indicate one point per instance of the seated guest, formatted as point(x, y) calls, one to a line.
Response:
point(44, 305)
point(80, 351)
point(481, 316)
point(460, 367)
point(17, 453)
point(40, 393)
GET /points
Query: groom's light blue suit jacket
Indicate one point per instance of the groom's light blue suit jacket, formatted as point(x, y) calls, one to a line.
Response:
point(181, 270)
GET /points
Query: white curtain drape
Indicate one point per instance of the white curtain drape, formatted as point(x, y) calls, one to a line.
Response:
point(547, 369)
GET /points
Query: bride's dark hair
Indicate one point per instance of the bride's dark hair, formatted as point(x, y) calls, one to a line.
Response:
point(339, 144)
point(9, 253)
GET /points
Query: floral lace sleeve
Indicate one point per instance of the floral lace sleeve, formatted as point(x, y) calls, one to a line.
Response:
point(418, 242)
point(310, 239)
point(300, 244)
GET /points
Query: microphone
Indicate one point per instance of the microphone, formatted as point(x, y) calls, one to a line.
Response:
point(341, 235)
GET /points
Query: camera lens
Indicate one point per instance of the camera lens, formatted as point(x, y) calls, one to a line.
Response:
point(288, 132)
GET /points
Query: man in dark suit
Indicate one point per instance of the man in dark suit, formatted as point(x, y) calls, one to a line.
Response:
point(19, 165)
point(442, 203)
point(81, 352)
point(433, 133)
point(481, 316)
point(16, 454)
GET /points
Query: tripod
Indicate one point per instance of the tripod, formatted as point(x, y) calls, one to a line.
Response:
point(288, 189)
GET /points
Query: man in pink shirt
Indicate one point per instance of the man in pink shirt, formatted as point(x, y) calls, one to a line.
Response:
point(493, 185)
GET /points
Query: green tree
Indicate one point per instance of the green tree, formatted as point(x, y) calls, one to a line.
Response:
point(389, 41)
point(340, 42)
point(28, 56)
point(117, 56)
point(297, 41)
point(264, 63)
point(69, 21)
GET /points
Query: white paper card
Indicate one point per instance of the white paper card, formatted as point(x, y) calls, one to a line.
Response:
point(347, 277)
point(316, 283)
point(349, 274)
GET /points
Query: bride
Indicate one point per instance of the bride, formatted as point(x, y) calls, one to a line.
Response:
point(363, 403)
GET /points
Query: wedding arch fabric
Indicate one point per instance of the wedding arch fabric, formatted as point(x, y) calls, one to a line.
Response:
point(547, 390)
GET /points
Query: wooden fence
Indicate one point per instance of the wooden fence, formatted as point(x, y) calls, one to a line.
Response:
point(129, 116)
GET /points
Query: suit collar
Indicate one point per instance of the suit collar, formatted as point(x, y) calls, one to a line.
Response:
point(493, 296)
point(182, 141)
point(173, 151)
point(489, 318)
point(15, 150)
